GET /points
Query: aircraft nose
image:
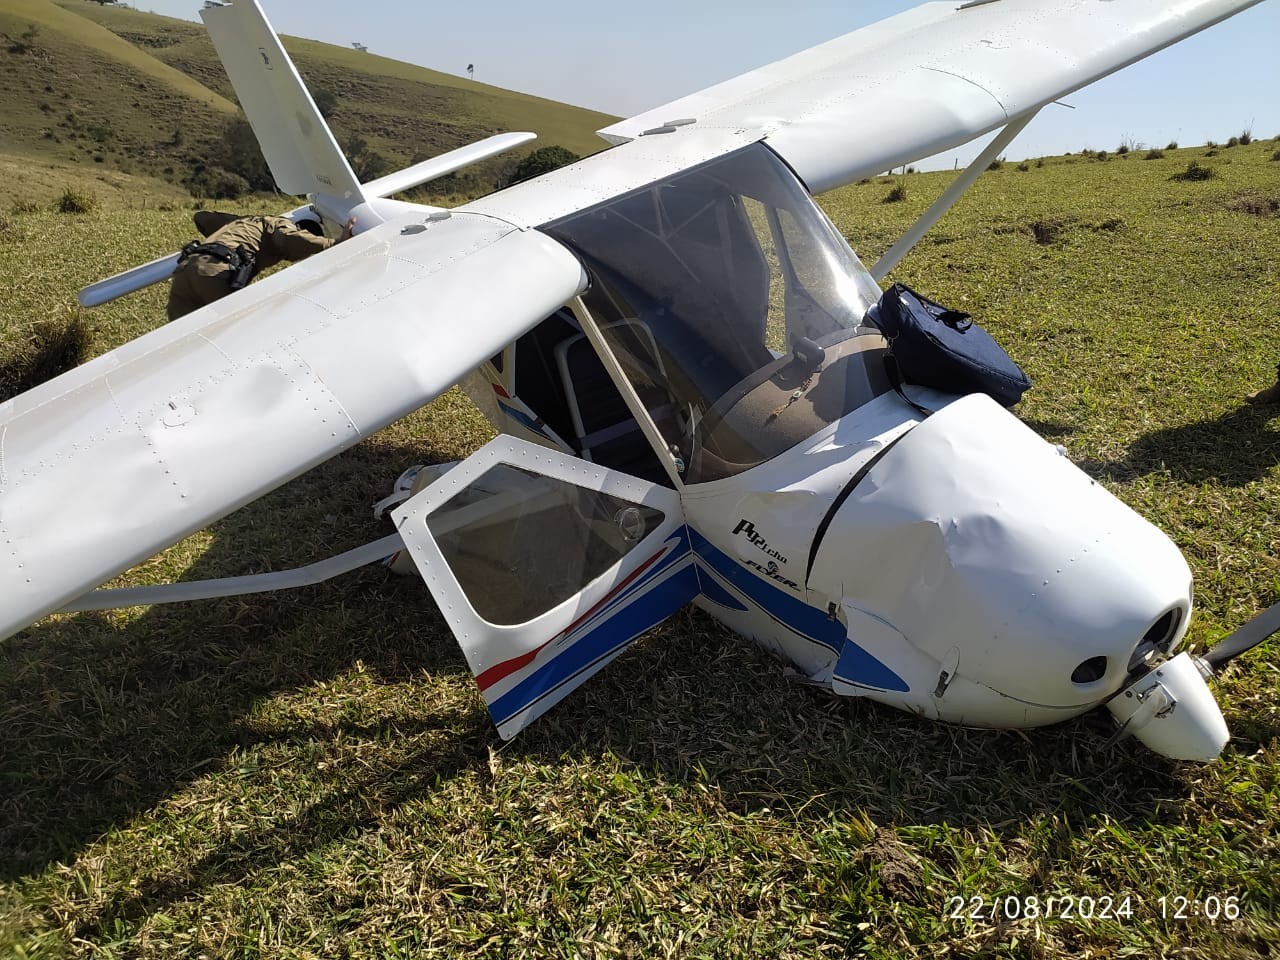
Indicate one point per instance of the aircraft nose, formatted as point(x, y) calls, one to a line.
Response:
point(985, 547)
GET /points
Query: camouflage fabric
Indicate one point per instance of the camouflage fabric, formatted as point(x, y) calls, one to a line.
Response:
point(201, 279)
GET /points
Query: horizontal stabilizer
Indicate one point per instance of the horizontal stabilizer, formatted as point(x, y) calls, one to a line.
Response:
point(445, 164)
point(157, 271)
point(109, 289)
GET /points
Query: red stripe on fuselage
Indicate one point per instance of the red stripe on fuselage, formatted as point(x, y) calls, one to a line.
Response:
point(498, 671)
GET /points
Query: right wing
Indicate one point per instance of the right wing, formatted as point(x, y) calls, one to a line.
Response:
point(109, 463)
point(928, 80)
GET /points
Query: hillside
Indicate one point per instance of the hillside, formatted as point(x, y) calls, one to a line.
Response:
point(139, 93)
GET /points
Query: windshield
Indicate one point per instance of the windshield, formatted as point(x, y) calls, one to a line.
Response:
point(734, 308)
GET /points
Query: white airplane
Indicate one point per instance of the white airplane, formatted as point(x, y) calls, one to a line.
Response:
point(672, 339)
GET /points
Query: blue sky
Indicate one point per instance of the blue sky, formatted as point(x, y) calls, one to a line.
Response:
point(625, 58)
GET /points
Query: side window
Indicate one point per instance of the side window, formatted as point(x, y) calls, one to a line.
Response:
point(520, 543)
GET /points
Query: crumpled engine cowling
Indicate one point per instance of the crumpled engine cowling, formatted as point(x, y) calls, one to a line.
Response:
point(1006, 569)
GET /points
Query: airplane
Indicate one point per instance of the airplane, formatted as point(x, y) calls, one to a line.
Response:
point(680, 354)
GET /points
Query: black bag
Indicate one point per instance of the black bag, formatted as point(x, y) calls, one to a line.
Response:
point(940, 348)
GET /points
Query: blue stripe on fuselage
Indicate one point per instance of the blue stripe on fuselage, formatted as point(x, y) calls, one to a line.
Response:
point(625, 620)
point(798, 617)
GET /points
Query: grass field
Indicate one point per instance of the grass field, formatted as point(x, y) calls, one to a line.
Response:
point(314, 775)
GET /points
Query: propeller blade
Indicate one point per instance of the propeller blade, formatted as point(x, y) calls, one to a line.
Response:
point(1244, 638)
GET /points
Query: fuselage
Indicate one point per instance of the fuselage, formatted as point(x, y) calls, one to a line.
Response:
point(957, 566)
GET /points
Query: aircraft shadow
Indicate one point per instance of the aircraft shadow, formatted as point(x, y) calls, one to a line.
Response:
point(104, 720)
point(1234, 449)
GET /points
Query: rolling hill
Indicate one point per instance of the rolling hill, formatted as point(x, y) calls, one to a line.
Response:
point(142, 94)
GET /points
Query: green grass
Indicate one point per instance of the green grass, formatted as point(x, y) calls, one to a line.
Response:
point(314, 775)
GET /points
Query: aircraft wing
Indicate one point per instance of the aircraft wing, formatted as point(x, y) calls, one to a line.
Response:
point(927, 80)
point(105, 465)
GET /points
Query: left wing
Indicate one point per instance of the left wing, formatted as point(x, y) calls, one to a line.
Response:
point(105, 465)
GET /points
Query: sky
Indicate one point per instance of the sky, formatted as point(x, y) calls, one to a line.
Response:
point(626, 58)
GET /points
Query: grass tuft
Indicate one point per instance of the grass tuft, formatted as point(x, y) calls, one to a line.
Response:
point(1196, 171)
point(1155, 154)
point(47, 349)
point(76, 201)
point(897, 194)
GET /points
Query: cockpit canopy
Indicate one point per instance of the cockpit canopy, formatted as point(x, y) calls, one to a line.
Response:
point(734, 308)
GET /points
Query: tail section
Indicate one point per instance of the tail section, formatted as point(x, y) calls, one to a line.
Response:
point(304, 157)
point(298, 145)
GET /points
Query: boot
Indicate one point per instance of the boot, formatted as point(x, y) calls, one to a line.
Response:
point(1268, 397)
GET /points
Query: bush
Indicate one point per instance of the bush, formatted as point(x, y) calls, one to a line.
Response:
point(1122, 150)
point(543, 160)
point(1276, 155)
point(1171, 145)
point(1245, 138)
point(1040, 162)
point(75, 201)
point(1233, 142)
point(215, 183)
point(1156, 154)
point(1024, 166)
point(1100, 155)
point(995, 165)
point(1195, 171)
point(897, 194)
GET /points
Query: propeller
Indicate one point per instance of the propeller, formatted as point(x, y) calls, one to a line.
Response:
point(1244, 638)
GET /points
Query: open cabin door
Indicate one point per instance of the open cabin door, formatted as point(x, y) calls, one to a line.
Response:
point(546, 567)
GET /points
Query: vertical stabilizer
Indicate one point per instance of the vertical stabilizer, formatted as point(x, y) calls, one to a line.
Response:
point(299, 147)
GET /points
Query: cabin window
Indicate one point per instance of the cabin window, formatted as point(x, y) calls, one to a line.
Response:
point(734, 306)
point(520, 543)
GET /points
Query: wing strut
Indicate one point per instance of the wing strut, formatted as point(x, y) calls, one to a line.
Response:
point(949, 196)
point(318, 572)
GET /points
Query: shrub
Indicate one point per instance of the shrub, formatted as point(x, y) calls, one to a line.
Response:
point(1040, 162)
point(75, 201)
point(1024, 166)
point(1211, 144)
point(1122, 149)
point(1233, 142)
point(215, 183)
point(1245, 138)
point(540, 161)
point(1156, 154)
point(897, 194)
point(1171, 145)
point(1100, 155)
point(1276, 155)
point(995, 164)
point(1195, 171)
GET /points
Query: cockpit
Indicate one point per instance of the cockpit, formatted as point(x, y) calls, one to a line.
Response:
point(734, 309)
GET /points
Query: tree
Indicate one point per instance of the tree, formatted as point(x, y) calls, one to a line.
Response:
point(543, 160)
